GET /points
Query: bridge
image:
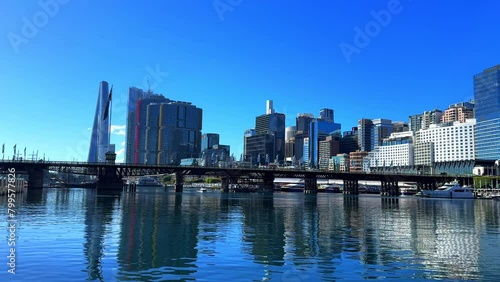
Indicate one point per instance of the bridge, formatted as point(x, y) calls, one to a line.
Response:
point(110, 176)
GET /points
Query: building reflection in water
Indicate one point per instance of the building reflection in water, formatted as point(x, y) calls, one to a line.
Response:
point(99, 207)
point(175, 235)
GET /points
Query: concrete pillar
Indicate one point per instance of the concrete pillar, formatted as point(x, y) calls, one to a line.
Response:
point(179, 181)
point(225, 184)
point(35, 178)
point(310, 184)
point(351, 187)
point(268, 183)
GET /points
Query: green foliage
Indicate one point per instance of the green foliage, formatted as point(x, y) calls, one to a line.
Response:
point(212, 180)
point(485, 181)
point(167, 178)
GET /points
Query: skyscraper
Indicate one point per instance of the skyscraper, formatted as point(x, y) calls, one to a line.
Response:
point(487, 113)
point(208, 140)
point(161, 131)
point(269, 138)
point(99, 142)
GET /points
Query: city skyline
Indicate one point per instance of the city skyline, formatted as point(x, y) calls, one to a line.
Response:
point(407, 67)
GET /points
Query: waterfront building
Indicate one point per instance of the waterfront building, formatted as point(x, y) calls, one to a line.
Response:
point(349, 141)
point(290, 143)
point(248, 133)
point(100, 138)
point(161, 131)
point(180, 132)
point(305, 153)
point(215, 155)
point(356, 160)
point(302, 122)
point(446, 147)
point(372, 132)
point(458, 112)
point(131, 138)
point(208, 140)
point(424, 120)
point(340, 162)
point(319, 129)
point(327, 149)
point(487, 114)
point(269, 128)
point(396, 151)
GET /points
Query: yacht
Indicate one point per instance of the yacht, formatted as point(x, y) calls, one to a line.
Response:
point(450, 190)
point(148, 181)
point(329, 188)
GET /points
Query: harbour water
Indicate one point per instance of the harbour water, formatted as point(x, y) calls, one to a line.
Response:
point(80, 234)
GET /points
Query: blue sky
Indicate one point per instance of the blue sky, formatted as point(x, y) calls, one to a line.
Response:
point(228, 57)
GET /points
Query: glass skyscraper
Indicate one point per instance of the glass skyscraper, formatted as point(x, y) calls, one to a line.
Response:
point(487, 113)
point(99, 142)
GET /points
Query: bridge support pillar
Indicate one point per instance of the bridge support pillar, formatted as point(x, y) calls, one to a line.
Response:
point(268, 183)
point(108, 179)
point(179, 182)
point(310, 184)
point(351, 187)
point(389, 188)
point(35, 178)
point(224, 184)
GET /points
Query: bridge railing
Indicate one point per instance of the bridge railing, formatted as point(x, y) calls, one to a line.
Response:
point(260, 168)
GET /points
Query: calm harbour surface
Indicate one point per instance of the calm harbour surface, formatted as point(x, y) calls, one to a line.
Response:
point(82, 234)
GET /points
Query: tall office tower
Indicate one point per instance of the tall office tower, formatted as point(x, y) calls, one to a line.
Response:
point(487, 113)
point(382, 128)
point(458, 112)
point(349, 141)
point(302, 124)
point(318, 131)
point(208, 140)
point(424, 120)
point(248, 133)
point(180, 132)
point(270, 126)
point(152, 133)
point(134, 95)
point(290, 143)
point(365, 128)
point(99, 142)
point(326, 114)
point(372, 132)
point(140, 138)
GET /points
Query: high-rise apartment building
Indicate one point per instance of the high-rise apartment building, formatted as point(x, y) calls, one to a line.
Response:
point(100, 139)
point(458, 112)
point(487, 113)
point(424, 120)
point(161, 131)
point(372, 132)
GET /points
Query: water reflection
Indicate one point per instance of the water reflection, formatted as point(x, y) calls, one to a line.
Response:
point(232, 236)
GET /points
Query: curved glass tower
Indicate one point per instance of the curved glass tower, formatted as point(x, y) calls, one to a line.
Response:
point(99, 142)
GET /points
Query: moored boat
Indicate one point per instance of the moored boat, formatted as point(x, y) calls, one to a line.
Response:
point(329, 188)
point(148, 181)
point(451, 190)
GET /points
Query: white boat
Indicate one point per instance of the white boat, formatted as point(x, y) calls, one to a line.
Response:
point(202, 190)
point(148, 181)
point(450, 190)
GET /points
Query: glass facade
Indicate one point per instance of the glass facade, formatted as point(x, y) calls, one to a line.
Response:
point(99, 141)
point(318, 131)
point(487, 113)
